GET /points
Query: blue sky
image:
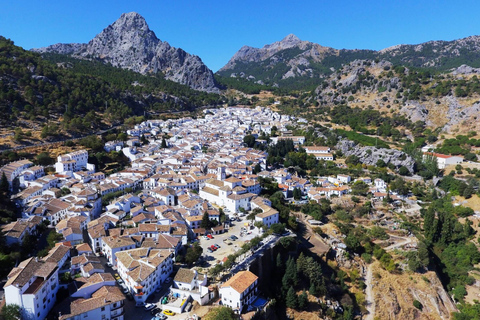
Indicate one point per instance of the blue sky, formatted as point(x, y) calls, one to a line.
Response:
point(215, 30)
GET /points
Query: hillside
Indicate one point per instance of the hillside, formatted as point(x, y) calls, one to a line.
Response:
point(295, 64)
point(74, 97)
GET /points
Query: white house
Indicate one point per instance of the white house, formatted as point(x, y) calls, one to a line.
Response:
point(343, 178)
point(444, 160)
point(112, 245)
point(106, 303)
point(189, 282)
point(33, 286)
point(74, 161)
point(144, 269)
point(239, 290)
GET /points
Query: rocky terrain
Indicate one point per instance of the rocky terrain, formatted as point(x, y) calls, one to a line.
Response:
point(370, 155)
point(129, 43)
point(394, 296)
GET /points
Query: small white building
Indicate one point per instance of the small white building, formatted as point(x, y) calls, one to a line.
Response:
point(444, 160)
point(239, 290)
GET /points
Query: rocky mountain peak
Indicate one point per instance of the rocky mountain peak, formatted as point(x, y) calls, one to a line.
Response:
point(130, 44)
point(291, 38)
point(131, 20)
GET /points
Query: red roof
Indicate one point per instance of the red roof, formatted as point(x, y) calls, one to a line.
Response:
point(439, 155)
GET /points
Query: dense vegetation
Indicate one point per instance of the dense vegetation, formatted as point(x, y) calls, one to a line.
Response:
point(84, 95)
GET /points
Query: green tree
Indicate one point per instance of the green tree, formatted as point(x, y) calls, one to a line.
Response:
point(44, 159)
point(206, 223)
point(11, 312)
point(193, 253)
point(4, 185)
point(360, 188)
point(291, 300)
point(297, 193)
point(303, 300)
point(220, 313)
point(313, 289)
point(249, 140)
point(277, 228)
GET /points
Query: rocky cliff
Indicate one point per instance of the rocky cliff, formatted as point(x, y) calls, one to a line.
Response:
point(130, 44)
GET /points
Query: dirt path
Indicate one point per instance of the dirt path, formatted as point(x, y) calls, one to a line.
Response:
point(404, 241)
point(369, 294)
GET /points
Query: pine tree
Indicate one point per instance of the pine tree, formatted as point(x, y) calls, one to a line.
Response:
point(301, 263)
point(279, 262)
point(313, 289)
point(290, 278)
point(303, 300)
point(291, 299)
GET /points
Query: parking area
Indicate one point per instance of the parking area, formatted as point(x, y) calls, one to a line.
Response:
point(226, 245)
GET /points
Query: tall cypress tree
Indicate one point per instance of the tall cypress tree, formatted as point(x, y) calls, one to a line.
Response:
point(206, 223)
point(4, 185)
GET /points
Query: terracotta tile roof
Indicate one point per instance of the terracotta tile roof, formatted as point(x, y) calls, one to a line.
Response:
point(241, 281)
point(184, 275)
point(104, 296)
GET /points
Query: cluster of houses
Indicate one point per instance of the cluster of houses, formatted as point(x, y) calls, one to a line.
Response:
point(166, 192)
point(188, 167)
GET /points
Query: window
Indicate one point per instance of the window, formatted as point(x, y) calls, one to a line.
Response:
point(85, 315)
point(102, 309)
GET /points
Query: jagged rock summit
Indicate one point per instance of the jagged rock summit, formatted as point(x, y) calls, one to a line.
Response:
point(130, 44)
point(248, 54)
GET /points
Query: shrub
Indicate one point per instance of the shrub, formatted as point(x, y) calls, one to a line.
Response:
point(417, 305)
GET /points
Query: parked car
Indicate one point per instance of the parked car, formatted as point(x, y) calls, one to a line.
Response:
point(168, 312)
point(205, 238)
point(209, 250)
point(120, 281)
point(109, 264)
point(209, 236)
point(216, 245)
point(149, 306)
point(155, 310)
point(116, 276)
point(160, 316)
point(213, 247)
point(139, 304)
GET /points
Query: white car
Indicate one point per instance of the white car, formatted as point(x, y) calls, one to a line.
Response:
point(109, 265)
point(149, 306)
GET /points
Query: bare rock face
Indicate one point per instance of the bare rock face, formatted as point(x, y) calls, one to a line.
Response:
point(370, 155)
point(130, 44)
point(298, 62)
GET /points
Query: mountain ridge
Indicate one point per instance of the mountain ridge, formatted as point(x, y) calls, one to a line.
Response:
point(277, 64)
point(130, 44)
